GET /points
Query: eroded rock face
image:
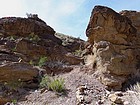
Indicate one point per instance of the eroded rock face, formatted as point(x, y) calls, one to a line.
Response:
point(115, 46)
point(24, 26)
point(24, 42)
point(12, 72)
point(134, 16)
point(106, 21)
point(32, 51)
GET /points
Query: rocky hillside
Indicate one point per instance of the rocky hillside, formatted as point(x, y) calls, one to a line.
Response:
point(41, 67)
point(28, 50)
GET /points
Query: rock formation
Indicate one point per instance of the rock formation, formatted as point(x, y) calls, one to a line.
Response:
point(114, 41)
point(29, 49)
point(24, 26)
point(134, 16)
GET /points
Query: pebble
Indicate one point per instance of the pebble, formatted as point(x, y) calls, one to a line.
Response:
point(119, 93)
point(126, 103)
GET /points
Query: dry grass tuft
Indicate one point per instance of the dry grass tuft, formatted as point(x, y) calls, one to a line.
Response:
point(135, 87)
point(134, 94)
point(90, 59)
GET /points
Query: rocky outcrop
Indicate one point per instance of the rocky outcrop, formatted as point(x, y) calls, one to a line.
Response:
point(28, 50)
point(114, 45)
point(70, 42)
point(33, 38)
point(12, 72)
point(134, 16)
point(23, 26)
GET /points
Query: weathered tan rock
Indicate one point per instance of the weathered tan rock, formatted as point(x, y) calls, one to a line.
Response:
point(74, 60)
point(71, 43)
point(134, 16)
point(24, 26)
point(105, 23)
point(115, 45)
point(116, 99)
point(12, 72)
point(31, 50)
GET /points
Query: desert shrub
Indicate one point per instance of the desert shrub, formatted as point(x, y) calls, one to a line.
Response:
point(12, 37)
point(31, 62)
point(14, 101)
point(14, 49)
point(44, 81)
point(78, 52)
point(54, 84)
point(90, 60)
point(134, 96)
point(135, 87)
point(57, 85)
point(42, 61)
point(33, 37)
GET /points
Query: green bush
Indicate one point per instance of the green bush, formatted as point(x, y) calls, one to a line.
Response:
point(31, 62)
point(54, 84)
point(44, 81)
point(78, 52)
point(12, 37)
point(14, 49)
point(14, 101)
point(33, 37)
point(57, 85)
point(42, 61)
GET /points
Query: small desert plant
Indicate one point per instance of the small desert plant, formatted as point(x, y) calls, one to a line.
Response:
point(57, 85)
point(134, 96)
point(135, 87)
point(14, 101)
point(12, 37)
point(90, 60)
point(14, 49)
point(42, 61)
point(33, 37)
point(44, 81)
point(77, 52)
point(31, 62)
point(54, 84)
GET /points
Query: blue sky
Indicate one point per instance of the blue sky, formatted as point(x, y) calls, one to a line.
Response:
point(65, 16)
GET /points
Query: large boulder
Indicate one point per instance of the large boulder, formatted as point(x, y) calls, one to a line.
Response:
point(24, 26)
point(12, 72)
point(115, 46)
